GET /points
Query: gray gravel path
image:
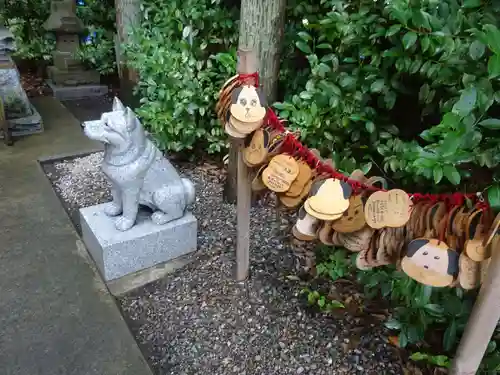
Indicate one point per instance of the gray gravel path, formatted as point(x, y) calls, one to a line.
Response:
point(198, 320)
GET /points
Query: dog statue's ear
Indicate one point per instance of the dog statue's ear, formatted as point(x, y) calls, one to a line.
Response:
point(118, 105)
point(131, 118)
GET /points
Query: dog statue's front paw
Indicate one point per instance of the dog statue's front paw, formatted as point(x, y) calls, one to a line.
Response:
point(123, 223)
point(160, 218)
point(113, 209)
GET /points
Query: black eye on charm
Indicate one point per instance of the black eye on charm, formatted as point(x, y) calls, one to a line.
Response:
point(243, 101)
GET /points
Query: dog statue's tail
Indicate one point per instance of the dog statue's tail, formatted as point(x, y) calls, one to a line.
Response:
point(189, 191)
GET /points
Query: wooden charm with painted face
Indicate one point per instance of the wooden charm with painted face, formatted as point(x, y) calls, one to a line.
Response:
point(475, 233)
point(353, 218)
point(256, 151)
point(430, 262)
point(248, 104)
point(329, 198)
point(306, 227)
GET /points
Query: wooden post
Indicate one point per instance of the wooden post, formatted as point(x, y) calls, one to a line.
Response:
point(482, 322)
point(247, 64)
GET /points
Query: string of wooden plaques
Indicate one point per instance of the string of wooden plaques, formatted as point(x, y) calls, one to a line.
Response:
point(443, 240)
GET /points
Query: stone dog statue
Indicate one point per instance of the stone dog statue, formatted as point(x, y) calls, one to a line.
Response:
point(138, 172)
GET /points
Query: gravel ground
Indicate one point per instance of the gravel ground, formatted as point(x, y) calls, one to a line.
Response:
point(199, 320)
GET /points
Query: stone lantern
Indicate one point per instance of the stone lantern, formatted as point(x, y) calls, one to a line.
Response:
point(67, 27)
point(17, 115)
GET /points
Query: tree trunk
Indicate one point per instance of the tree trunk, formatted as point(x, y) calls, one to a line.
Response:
point(261, 30)
point(128, 16)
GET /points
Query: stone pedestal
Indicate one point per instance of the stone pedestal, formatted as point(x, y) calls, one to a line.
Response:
point(145, 245)
point(76, 92)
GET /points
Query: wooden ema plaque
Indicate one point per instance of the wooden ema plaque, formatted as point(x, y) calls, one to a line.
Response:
point(353, 219)
point(474, 234)
point(387, 209)
point(248, 104)
point(280, 173)
point(256, 152)
point(325, 233)
point(355, 241)
point(292, 202)
point(492, 232)
point(245, 127)
point(329, 197)
point(430, 262)
point(306, 227)
point(305, 175)
point(469, 275)
point(257, 184)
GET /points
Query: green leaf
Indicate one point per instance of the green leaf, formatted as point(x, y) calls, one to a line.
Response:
point(494, 66)
point(304, 36)
point(438, 173)
point(393, 30)
point(324, 46)
point(403, 339)
point(334, 304)
point(303, 47)
point(366, 167)
point(425, 43)
point(450, 144)
point(493, 194)
point(492, 345)
point(451, 173)
point(434, 309)
point(466, 103)
point(424, 92)
point(450, 336)
point(440, 360)
point(370, 127)
point(491, 123)
point(426, 135)
point(418, 356)
point(476, 50)
point(321, 302)
point(472, 3)
point(377, 86)
point(390, 99)
point(186, 31)
point(409, 39)
point(450, 120)
point(493, 37)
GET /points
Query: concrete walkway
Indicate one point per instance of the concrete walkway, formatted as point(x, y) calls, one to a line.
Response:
point(56, 316)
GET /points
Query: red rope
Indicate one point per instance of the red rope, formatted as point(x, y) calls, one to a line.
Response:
point(249, 79)
point(294, 147)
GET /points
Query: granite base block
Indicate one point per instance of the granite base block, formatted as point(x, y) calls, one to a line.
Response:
point(144, 245)
point(76, 92)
